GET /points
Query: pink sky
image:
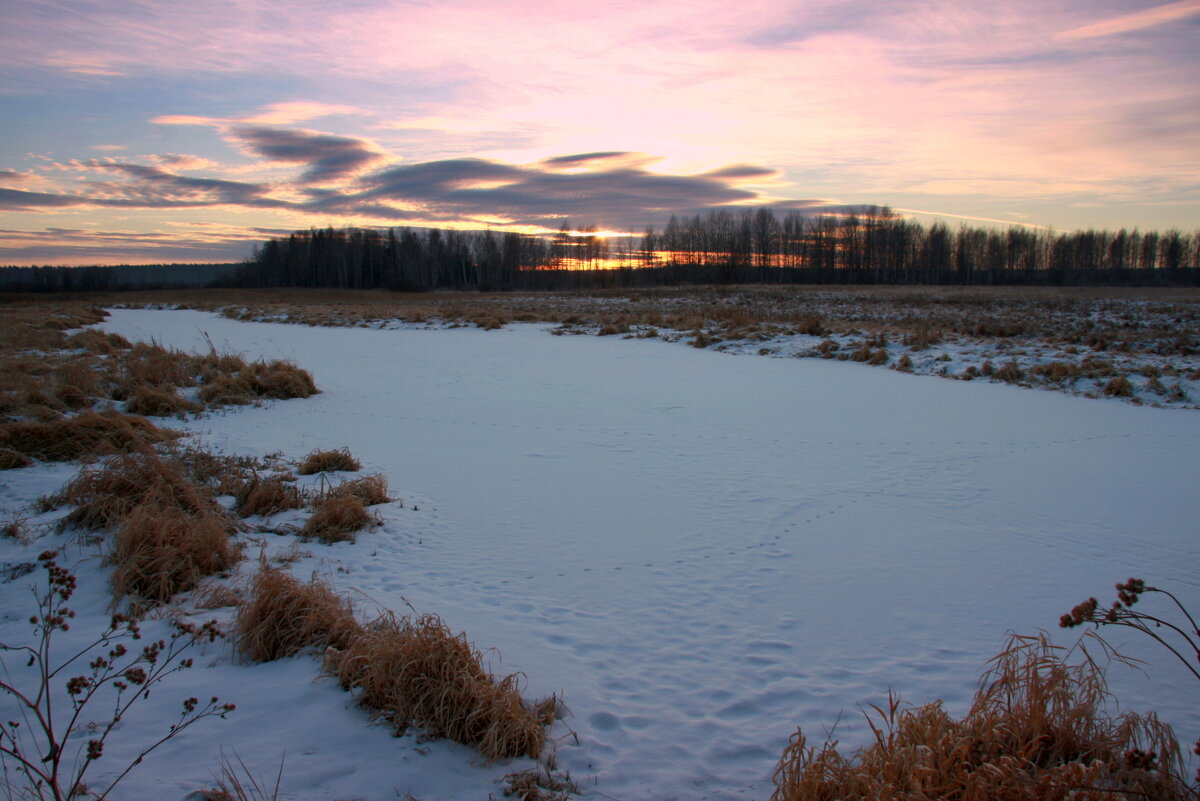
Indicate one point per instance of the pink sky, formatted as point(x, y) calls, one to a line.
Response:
point(154, 131)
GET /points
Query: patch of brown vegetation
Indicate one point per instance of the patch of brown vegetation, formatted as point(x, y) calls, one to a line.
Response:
point(1036, 730)
point(419, 673)
point(159, 402)
point(285, 616)
point(267, 496)
point(371, 490)
point(337, 519)
point(326, 461)
point(161, 549)
point(105, 494)
point(86, 434)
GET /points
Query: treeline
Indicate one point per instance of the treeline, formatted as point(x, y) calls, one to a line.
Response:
point(752, 246)
point(113, 278)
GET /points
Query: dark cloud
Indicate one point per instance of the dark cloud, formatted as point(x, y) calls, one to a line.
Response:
point(741, 172)
point(158, 188)
point(328, 157)
point(609, 189)
point(620, 196)
point(587, 158)
point(145, 187)
point(18, 200)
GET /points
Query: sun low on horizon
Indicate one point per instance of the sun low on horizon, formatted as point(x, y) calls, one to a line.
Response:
point(153, 132)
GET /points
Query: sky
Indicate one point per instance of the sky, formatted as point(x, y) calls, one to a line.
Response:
point(134, 131)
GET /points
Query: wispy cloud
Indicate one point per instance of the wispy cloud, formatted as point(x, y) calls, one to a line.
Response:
point(1136, 21)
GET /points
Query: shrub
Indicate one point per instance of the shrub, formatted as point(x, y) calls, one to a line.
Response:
point(337, 519)
point(421, 674)
point(323, 461)
point(1036, 730)
point(48, 754)
point(285, 616)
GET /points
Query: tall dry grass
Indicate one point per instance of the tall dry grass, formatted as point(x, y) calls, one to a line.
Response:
point(324, 461)
point(337, 519)
point(417, 672)
point(161, 549)
point(86, 434)
point(106, 493)
point(266, 496)
point(1036, 731)
point(285, 616)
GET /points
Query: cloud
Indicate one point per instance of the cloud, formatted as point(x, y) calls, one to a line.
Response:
point(1126, 23)
point(14, 177)
point(285, 113)
point(89, 246)
point(328, 157)
point(143, 187)
point(18, 200)
point(609, 193)
point(297, 111)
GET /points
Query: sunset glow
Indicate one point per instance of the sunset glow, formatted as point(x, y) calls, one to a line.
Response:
point(145, 131)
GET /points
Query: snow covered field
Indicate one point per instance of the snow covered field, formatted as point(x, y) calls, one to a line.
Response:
point(700, 551)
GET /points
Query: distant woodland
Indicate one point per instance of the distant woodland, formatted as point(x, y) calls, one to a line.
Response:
point(119, 277)
point(754, 246)
point(721, 247)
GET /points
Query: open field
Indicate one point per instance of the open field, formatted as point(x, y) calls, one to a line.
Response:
point(699, 553)
point(1142, 345)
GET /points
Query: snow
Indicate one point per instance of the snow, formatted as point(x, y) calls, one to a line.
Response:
point(699, 551)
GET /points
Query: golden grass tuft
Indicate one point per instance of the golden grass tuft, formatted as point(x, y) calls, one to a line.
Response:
point(1036, 730)
point(158, 402)
point(1119, 387)
point(284, 616)
point(371, 490)
point(322, 461)
point(105, 494)
point(11, 459)
point(267, 496)
point(226, 390)
point(337, 519)
point(86, 434)
point(160, 549)
point(419, 673)
point(280, 380)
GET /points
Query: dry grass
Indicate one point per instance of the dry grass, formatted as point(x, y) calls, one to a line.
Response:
point(323, 461)
point(285, 616)
point(11, 459)
point(159, 402)
point(337, 519)
point(370, 490)
point(267, 496)
point(419, 673)
point(87, 434)
point(1037, 730)
point(161, 549)
point(105, 494)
